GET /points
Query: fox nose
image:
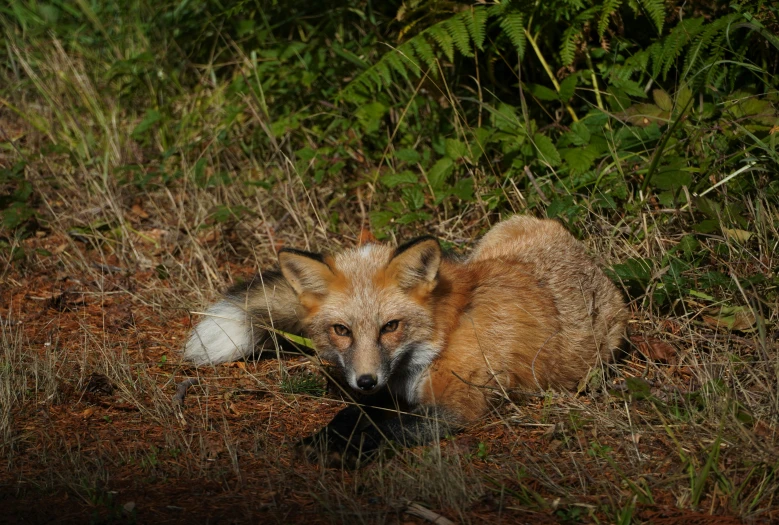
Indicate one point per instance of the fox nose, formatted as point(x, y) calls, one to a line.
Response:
point(367, 382)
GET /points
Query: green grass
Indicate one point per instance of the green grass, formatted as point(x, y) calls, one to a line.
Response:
point(153, 153)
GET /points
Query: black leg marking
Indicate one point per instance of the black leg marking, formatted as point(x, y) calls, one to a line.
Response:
point(356, 434)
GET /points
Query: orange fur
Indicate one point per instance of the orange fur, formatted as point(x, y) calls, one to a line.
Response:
point(528, 309)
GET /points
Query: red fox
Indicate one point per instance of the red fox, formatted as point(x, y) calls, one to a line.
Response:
point(437, 336)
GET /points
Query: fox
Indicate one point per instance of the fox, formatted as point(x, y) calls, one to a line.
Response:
point(426, 340)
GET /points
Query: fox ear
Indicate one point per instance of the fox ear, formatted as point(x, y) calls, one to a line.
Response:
point(305, 272)
point(416, 263)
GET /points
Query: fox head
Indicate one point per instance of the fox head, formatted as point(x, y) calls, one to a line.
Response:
point(369, 308)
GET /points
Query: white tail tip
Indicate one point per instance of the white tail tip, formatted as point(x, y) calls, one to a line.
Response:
point(224, 335)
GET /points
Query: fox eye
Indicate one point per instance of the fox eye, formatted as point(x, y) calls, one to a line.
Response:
point(390, 327)
point(341, 330)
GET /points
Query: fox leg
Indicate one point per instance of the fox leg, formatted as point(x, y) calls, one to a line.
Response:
point(355, 435)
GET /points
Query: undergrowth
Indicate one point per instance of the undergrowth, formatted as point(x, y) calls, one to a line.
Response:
point(153, 152)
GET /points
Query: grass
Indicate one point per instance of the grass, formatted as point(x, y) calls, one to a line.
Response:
point(137, 219)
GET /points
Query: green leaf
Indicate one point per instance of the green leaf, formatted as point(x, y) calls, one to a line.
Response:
point(568, 87)
point(543, 92)
point(646, 114)
point(634, 269)
point(581, 133)
point(440, 172)
point(394, 179)
point(663, 100)
point(463, 190)
point(563, 207)
point(708, 207)
point(683, 97)
point(408, 155)
point(579, 160)
point(414, 197)
point(671, 179)
point(150, 119)
point(370, 116)
point(380, 219)
point(455, 149)
point(628, 86)
point(688, 245)
point(546, 149)
point(481, 138)
point(706, 226)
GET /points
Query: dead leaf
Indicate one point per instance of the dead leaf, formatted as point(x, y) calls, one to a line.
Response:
point(730, 317)
point(655, 349)
point(140, 212)
point(211, 235)
point(740, 236)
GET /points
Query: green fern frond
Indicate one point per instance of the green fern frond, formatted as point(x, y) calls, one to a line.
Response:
point(463, 32)
point(673, 44)
point(425, 52)
point(706, 47)
point(383, 72)
point(694, 57)
point(397, 63)
point(656, 11)
point(571, 34)
point(476, 22)
point(459, 33)
point(443, 39)
point(568, 44)
point(607, 9)
point(408, 56)
point(513, 24)
point(655, 52)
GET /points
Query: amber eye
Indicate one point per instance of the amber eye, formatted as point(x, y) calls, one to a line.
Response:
point(341, 330)
point(390, 327)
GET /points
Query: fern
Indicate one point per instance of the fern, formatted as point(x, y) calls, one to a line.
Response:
point(425, 53)
point(397, 63)
point(477, 27)
point(573, 34)
point(409, 58)
point(568, 45)
point(513, 24)
point(674, 43)
point(462, 33)
point(656, 11)
point(607, 9)
point(706, 49)
point(443, 39)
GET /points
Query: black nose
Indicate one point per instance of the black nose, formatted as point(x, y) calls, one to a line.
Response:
point(367, 382)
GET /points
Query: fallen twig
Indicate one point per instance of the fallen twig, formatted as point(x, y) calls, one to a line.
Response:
point(181, 390)
point(415, 509)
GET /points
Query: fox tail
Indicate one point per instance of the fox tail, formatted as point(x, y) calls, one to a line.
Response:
point(243, 320)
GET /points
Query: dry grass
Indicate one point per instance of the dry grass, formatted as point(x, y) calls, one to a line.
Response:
point(684, 428)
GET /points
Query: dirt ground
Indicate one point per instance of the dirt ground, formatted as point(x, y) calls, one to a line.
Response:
point(95, 436)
